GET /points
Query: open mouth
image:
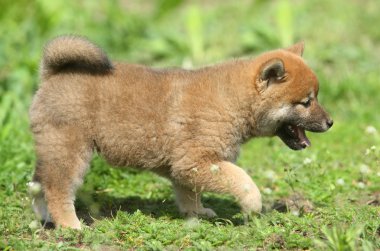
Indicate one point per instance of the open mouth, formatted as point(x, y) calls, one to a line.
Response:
point(293, 136)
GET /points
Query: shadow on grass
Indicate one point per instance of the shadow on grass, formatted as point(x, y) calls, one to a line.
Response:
point(92, 206)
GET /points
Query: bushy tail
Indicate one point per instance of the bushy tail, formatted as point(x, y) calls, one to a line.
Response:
point(73, 54)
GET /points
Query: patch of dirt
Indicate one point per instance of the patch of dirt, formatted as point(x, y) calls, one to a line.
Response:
point(274, 241)
point(296, 203)
point(374, 199)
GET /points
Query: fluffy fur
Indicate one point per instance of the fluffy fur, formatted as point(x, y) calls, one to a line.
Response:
point(186, 125)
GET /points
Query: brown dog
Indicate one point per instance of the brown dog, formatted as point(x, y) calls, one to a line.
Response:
point(186, 125)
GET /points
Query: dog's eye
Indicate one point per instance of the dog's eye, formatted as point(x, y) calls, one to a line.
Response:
point(306, 103)
point(282, 78)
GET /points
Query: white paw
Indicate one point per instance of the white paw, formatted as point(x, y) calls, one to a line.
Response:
point(206, 212)
point(38, 201)
point(74, 224)
point(40, 209)
point(251, 200)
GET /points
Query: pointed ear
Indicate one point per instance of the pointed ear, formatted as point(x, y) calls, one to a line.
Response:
point(297, 48)
point(271, 72)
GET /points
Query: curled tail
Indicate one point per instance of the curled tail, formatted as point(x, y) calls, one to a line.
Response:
point(73, 54)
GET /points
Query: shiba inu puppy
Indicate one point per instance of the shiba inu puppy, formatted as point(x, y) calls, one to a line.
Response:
point(186, 125)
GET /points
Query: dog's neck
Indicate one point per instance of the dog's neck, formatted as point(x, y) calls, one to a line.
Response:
point(232, 83)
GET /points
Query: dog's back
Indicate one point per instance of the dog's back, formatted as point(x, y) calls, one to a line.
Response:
point(132, 114)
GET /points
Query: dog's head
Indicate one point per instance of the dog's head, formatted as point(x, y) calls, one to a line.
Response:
point(288, 91)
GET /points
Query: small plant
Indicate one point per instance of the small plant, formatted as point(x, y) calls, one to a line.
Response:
point(340, 239)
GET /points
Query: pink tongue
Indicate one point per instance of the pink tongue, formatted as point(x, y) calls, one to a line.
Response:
point(302, 136)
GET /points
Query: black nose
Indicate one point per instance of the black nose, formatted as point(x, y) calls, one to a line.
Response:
point(330, 123)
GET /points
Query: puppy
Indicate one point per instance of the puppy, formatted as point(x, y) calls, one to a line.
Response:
point(186, 125)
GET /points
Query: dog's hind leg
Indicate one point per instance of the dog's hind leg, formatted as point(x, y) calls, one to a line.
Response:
point(63, 155)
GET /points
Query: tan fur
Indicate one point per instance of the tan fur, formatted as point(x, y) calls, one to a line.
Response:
point(186, 125)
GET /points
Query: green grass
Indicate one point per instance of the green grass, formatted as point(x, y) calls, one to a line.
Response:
point(326, 197)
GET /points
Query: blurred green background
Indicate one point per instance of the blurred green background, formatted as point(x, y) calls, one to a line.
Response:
point(342, 40)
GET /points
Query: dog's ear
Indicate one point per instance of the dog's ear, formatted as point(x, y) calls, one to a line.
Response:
point(271, 72)
point(297, 48)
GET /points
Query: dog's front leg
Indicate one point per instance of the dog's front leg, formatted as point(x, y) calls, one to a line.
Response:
point(222, 177)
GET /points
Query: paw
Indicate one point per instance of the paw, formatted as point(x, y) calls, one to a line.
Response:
point(207, 212)
point(250, 201)
point(67, 218)
point(40, 209)
point(38, 201)
point(251, 206)
point(202, 212)
point(73, 224)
